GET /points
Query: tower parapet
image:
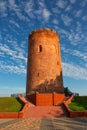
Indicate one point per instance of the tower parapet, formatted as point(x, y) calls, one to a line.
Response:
point(45, 31)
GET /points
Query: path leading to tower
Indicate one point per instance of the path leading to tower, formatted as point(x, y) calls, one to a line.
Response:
point(62, 123)
point(45, 111)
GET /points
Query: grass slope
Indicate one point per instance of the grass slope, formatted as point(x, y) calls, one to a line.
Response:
point(10, 104)
point(79, 103)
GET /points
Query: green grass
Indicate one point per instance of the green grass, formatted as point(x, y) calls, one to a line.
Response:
point(79, 103)
point(10, 104)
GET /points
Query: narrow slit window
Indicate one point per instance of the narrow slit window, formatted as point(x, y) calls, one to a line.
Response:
point(38, 74)
point(40, 48)
point(57, 63)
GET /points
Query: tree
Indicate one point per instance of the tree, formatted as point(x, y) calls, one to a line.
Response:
point(67, 91)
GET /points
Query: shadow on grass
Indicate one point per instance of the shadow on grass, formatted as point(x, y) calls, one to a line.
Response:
point(22, 104)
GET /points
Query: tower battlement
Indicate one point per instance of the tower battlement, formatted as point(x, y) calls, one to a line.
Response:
point(46, 31)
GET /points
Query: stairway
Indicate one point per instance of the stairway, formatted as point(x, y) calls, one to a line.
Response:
point(45, 111)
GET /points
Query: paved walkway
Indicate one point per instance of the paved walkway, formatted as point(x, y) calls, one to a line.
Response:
point(62, 123)
point(20, 124)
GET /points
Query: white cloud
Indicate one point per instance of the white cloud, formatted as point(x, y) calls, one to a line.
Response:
point(46, 14)
point(3, 8)
point(80, 54)
point(61, 4)
point(56, 11)
point(12, 69)
point(68, 8)
point(17, 9)
point(29, 8)
point(72, 1)
point(66, 19)
point(55, 21)
point(78, 13)
point(12, 3)
point(5, 48)
point(2, 54)
point(41, 3)
point(16, 55)
point(76, 36)
point(74, 71)
point(42, 13)
point(83, 3)
point(84, 18)
point(14, 23)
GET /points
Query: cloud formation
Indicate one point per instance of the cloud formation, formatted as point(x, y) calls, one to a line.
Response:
point(61, 4)
point(12, 68)
point(19, 19)
point(72, 1)
point(76, 53)
point(66, 19)
point(3, 9)
point(16, 55)
point(74, 71)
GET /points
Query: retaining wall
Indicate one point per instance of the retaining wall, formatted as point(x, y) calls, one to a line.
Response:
point(46, 99)
point(16, 114)
point(74, 113)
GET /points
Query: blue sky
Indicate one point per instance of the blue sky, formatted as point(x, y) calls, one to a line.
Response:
point(18, 18)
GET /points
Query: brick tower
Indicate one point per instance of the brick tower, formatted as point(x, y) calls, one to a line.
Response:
point(44, 70)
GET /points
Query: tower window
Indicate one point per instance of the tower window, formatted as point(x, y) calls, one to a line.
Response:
point(40, 48)
point(57, 63)
point(38, 74)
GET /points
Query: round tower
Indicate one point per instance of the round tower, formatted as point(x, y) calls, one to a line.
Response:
point(44, 70)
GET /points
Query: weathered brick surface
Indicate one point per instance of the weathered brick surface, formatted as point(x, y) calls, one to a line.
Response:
point(44, 71)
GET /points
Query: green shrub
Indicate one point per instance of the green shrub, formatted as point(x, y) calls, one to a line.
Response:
point(79, 103)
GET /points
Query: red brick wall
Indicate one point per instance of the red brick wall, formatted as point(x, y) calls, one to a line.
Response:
point(58, 98)
point(46, 99)
point(9, 115)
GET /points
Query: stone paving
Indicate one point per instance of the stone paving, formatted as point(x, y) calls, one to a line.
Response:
point(62, 123)
point(20, 124)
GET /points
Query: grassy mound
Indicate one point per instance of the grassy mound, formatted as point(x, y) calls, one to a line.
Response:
point(10, 104)
point(79, 103)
